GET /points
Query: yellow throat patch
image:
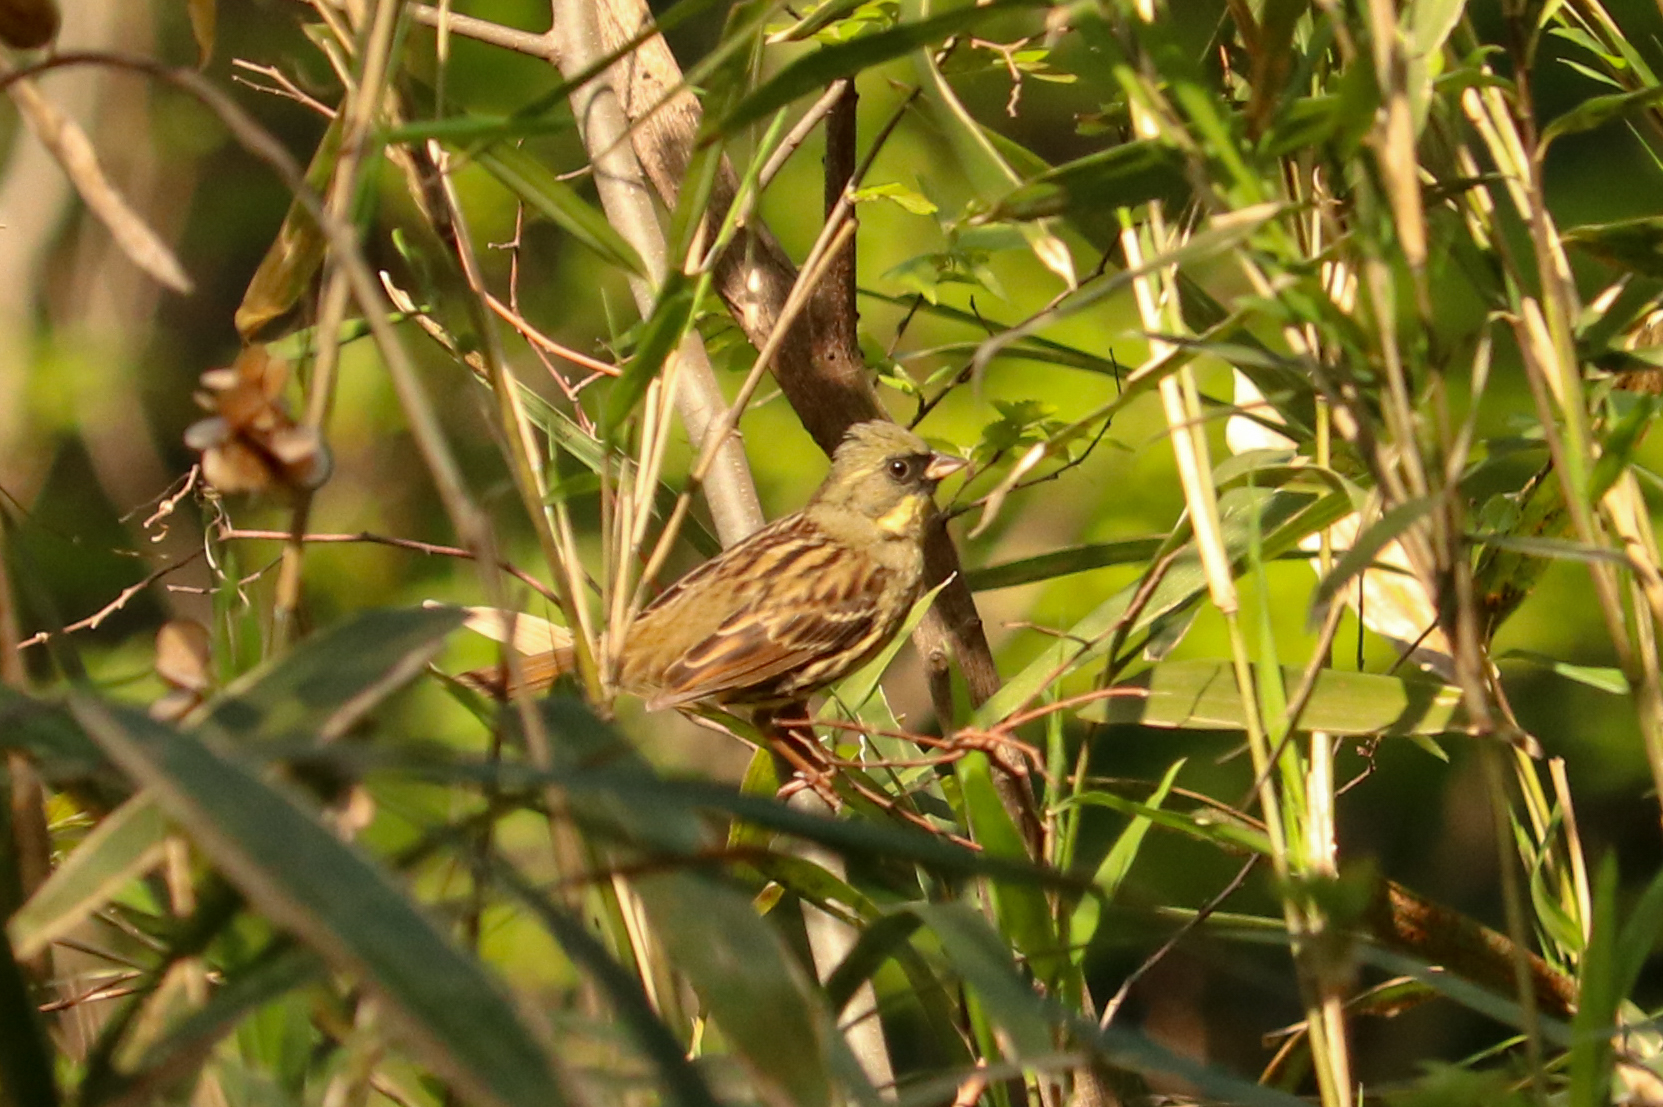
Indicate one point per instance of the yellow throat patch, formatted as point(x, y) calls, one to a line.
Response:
point(899, 520)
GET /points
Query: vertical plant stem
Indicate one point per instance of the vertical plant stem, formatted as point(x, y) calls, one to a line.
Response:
point(1517, 928)
point(358, 115)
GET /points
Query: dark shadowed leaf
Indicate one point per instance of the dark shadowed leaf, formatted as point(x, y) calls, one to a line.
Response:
point(734, 960)
point(26, 1078)
point(1123, 176)
point(321, 687)
point(294, 870)
point(683, 1082)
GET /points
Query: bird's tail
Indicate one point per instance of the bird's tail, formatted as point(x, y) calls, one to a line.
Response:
point(545, 651)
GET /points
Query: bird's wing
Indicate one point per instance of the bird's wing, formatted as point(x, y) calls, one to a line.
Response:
point(797, 627)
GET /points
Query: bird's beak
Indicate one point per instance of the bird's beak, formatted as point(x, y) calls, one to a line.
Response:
point(942, 466)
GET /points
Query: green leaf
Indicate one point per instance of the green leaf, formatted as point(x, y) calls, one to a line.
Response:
point(1366, 547)
point(458, 1019)
point(982, 959)
point(1023, 910)
point(476, 128)
point(26, 1077)
point(1562, 549)
point(281, 968)
point(1597, 111)
point(854, 690)
point(813, 72)
point(1635, 244)
point(292, 260)
point(536, 184)
point(1635, 414)
point(908, 199)
point(126, 844)
point(876, 944)
point(1111, 873)
point(1202, 695)
point(1594, 676)
point(736, 962)
point(1060, 563)
point(1122, 176)
point(203, 14)
point(671, 317)
point(319, 689)
point(61, 750)
point(1204, 825)
point(1638, 938)
point(683, 1083)
point(1284, 518)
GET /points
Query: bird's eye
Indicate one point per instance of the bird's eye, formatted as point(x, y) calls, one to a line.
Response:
point(901, 468)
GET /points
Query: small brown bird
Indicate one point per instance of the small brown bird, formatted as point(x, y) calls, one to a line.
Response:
point(799, 604)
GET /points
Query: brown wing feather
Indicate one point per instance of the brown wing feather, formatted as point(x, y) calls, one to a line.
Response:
point(782, 608)
point(751, 651)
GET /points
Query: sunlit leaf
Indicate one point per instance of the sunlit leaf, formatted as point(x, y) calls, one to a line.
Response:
point(813, 72)
point(1202, 695)
point(736, 962)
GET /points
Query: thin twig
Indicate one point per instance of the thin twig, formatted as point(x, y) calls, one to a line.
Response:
point(123, 598)
point(232, 533)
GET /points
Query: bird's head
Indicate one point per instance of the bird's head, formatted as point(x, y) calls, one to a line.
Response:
point(886, 473)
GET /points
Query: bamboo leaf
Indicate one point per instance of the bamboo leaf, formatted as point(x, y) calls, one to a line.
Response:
point(1365, 549)
point(204, 15)
point(536, 184)
point(1023, 910)
point(671, 317)
point(682, 1080)
point(813, 72)
point(127, 843)
point(983, 961)
point(1285, 518)
point(1111, 873)
point(292, 260)
point(733, 959)
point(1125, 176)
point(319, 689)
point(1061, 563)
point(458, 1020)
point(1597, 111)
point(26, 1076)
point(1204, 825)
point(281, 968)
point(1202, 695)
point(1594, 676)
point(61, 750)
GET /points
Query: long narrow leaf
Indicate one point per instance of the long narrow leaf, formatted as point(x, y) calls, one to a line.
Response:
point(337, 901)
point(1202, 695)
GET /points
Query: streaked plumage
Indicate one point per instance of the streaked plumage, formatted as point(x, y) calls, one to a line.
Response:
point(803, 601)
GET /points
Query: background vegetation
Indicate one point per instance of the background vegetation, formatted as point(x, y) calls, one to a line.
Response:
point(1212, 293)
